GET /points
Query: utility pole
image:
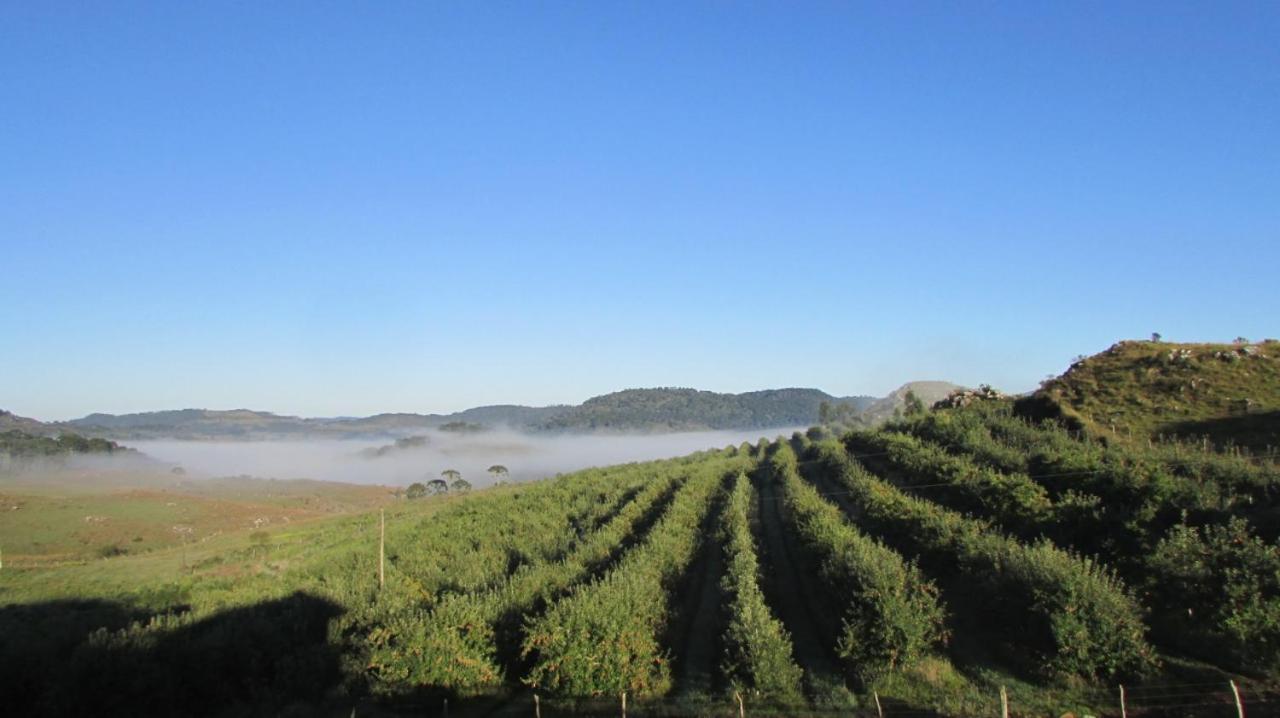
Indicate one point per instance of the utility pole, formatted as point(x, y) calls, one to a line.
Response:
point(382, 549)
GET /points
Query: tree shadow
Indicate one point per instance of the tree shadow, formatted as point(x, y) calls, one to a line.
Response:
point(1259, 431)
point(73, 658)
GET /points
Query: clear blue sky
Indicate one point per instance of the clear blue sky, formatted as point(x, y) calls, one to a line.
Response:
point(347, 208)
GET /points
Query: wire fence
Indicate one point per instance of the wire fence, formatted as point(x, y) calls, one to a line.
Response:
point(1226, 698)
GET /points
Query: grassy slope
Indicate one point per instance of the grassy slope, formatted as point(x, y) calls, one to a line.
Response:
point(1147, 389)
point(225, 568)
point(56, 523)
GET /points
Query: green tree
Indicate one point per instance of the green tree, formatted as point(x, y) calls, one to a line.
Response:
point(824, 412)
point(416, 490)
point(438, 486)
point(460, 485)
point(451, 474)
point(499, 472)
point(911, 404)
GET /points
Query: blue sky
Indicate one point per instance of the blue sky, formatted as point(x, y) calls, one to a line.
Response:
point(345, 208)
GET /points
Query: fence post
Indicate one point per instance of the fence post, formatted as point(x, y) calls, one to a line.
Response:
point(1235, 691)
point(537, 707)
point(742, 711)
point(879, 710)
point(445, 712)
point(1123, 712)
point(382, 549)
point(624, 704)
point(1004, 703)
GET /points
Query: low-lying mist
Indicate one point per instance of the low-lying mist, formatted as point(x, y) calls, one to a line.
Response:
point(526, 456)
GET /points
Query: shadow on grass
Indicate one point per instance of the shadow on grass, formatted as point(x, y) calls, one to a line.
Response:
point(1259, 432)
point(80, 658)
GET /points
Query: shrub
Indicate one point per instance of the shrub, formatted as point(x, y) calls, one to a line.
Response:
point(891, 616)
point(758, 651)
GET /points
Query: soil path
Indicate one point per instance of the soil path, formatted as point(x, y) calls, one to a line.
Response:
point(786, 588)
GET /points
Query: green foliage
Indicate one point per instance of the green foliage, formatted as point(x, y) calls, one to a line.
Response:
point(892, 616)
point(603, 638)
point(911, 404)
point(1013, 500)
point(758, 651)
point(18, 444)
point(1141, 390)
point(462, 427)
point(689, 409)
point(1128, 504)
point(416, 490)
point(1221, 583)
point(461, 643)
point(575, 584)
point(1073, 615)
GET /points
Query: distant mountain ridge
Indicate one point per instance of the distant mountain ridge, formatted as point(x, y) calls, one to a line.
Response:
point(680, 409)
point(633, 410)
point(237, 424)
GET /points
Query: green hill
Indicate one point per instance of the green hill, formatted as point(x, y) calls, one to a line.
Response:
point(1227, 393)
point(677, 409)
point(636, 410)
point(10, 422)
point(17, 446)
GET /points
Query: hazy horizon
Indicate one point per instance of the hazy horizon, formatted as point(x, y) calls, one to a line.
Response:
point(527, 457)
point(410, 411)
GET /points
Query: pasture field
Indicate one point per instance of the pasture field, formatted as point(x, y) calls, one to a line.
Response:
point(925, 566)
point(63, 520)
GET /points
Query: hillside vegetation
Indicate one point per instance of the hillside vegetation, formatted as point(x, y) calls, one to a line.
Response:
point(924, 564)
point(19, 449)
point(633, 410)
point(1228, 393)
point(691, 410)
point(928, 392)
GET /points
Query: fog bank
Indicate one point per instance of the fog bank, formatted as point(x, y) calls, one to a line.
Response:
point(526, 456)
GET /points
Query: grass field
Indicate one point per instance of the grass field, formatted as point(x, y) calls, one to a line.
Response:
point(59, 521)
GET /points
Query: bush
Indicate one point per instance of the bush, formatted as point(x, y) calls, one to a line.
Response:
point(758, 651)
point(1074, 616)
point(603, 638)
point(1220, 583)
point(892, 616)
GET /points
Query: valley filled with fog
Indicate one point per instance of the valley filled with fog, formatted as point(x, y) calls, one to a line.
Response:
point(526, 456)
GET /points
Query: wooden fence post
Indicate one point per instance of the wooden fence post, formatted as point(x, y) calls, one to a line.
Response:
point(879, 710)
point(624, 704)
point(742, 711)
point(537, 707)
point(1004, 703)
point(1235, 691)
point(382, 549)
point(1123, 711)
point(445, 711)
